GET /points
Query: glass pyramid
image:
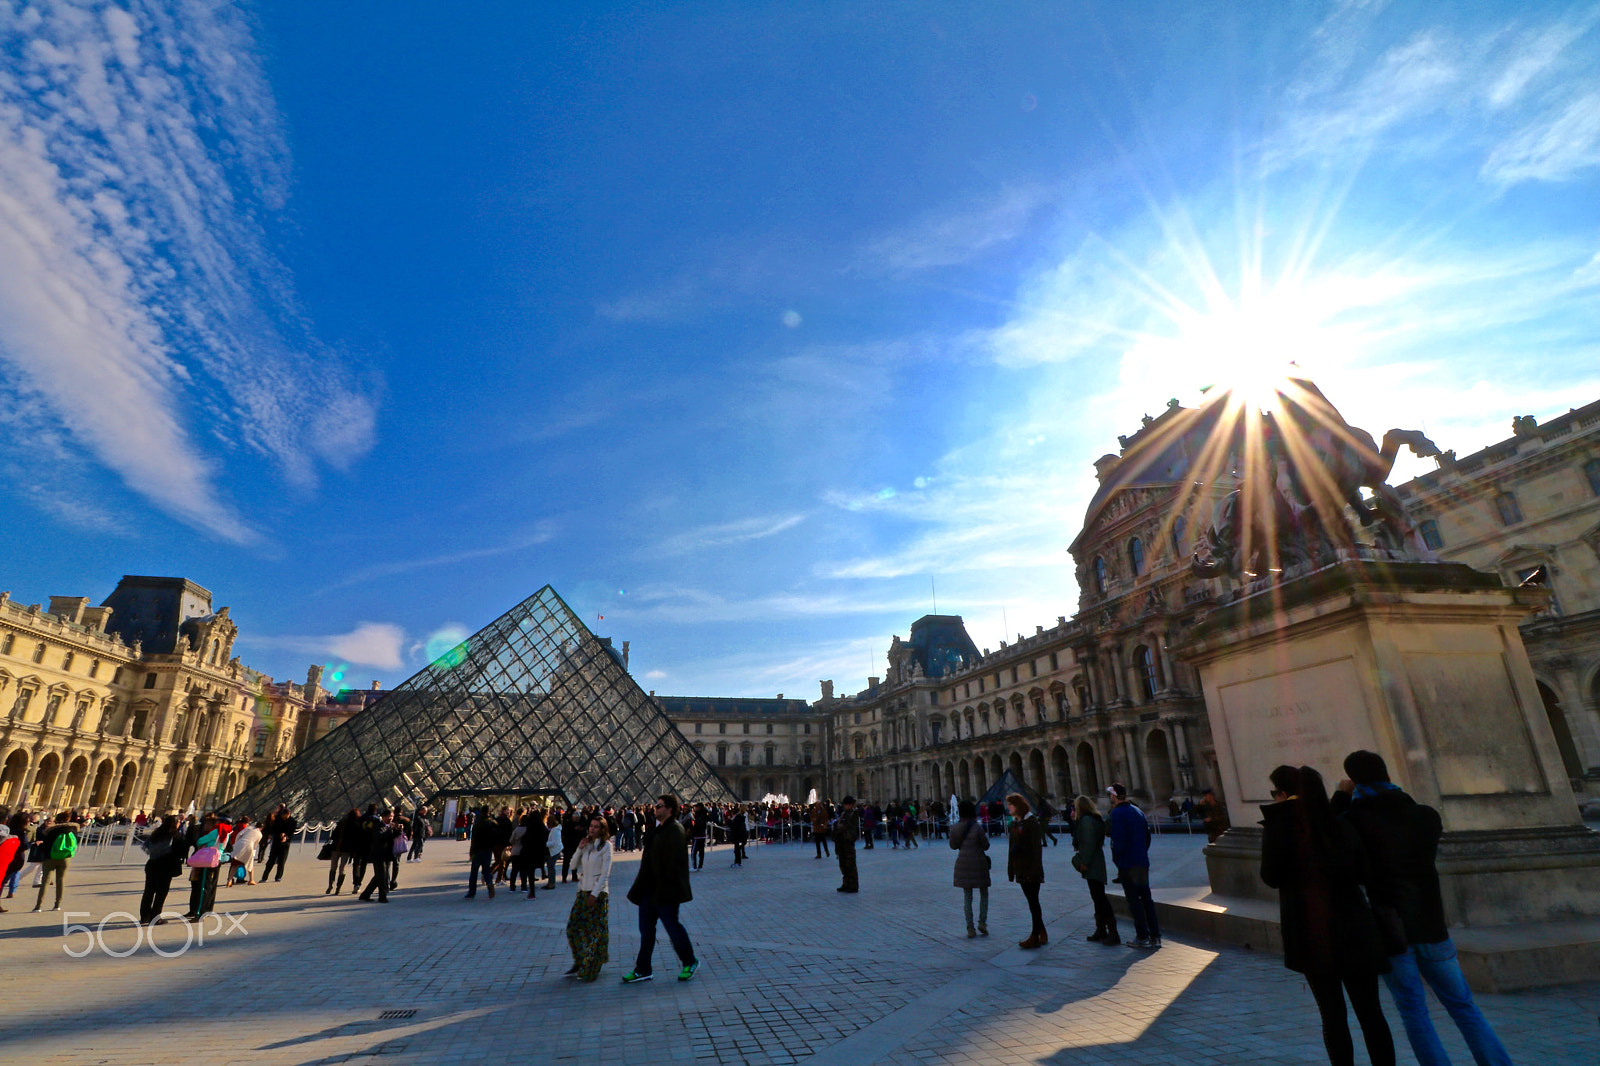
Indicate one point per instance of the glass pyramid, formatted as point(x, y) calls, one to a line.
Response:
point(531, 703)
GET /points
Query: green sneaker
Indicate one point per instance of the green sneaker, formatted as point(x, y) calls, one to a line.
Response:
point(635, 977)
point(688, 972)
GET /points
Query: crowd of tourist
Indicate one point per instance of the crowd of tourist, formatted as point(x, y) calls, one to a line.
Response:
point(1355, 871)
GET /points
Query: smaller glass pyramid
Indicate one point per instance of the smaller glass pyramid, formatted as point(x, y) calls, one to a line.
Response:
point(533, 702)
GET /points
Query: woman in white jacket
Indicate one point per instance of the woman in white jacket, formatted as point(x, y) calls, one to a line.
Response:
point(589, 923)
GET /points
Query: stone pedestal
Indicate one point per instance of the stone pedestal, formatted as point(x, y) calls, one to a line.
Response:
point(1422, 663)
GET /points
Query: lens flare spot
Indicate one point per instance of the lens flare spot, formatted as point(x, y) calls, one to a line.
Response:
point(446, 648)
point(791, 318)
point(885, 494)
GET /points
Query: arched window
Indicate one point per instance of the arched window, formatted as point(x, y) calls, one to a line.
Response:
point(1179, 529)
point(1591, 471)
point(722, 755)
point(1136, 556)
point(1146, 663)
point(1429, 531)
point(1099, 575)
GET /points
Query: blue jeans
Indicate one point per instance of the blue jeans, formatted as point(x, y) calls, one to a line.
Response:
point(1141, 907)
point(1436, 964)
point(481, 860)
point(668, 914)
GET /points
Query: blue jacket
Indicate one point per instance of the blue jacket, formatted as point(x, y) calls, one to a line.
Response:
point(1130, 836)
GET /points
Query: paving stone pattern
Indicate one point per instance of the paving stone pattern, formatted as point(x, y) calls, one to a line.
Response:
point(792, 972)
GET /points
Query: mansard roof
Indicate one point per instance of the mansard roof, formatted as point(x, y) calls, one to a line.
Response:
point(1160, 455)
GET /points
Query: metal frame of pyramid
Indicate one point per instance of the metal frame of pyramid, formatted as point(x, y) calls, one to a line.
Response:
point(533, 702)
point(1009, 782)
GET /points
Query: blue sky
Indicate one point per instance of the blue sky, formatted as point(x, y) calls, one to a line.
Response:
point(743, 325)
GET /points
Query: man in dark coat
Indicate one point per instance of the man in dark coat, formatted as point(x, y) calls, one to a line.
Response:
point(280, 833)
point(485, 845)
point(1402, 841)
point(381, 856)
point(661, 886)
point(845, 831)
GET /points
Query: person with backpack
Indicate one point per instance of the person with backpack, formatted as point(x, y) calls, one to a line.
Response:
point(1402, 841)
point(57, 845)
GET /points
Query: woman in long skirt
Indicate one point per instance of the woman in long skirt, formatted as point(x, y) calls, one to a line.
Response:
point(589, 923)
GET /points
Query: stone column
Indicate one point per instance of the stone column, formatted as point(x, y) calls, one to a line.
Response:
point(1130, 747)
point(60, 786)
point(1180, 737)
point(37, 754)
point(1172, 754)
point(1101, 747)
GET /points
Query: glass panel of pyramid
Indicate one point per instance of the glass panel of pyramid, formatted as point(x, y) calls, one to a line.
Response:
point(531, 703)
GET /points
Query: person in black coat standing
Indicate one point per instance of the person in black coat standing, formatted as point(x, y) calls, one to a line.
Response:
point(1318, 865)
point(166, 849)
point(661, 886)
point(381, 856)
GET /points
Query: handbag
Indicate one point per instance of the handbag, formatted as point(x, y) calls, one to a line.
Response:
point(326, 853)
point(207, 858)
point(1392, 928)
point(401, 845)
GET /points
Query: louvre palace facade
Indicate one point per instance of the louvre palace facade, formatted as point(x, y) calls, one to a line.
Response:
point(1094, 699)
point(137, 704)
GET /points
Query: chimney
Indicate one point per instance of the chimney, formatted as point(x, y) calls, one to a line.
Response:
point(624, 655)
point(827, 690)
point(96, 617)
point(780, 695)
point(376, 687)
point(872, 682)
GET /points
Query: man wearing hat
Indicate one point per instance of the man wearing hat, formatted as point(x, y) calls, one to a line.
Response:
point(1129, 831)
point(845, 832)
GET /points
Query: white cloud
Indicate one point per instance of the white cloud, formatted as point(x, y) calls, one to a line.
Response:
point(541, 533)
point(377, 644)
point(1523, 95)
point(726, 533)
point(682, 605)
point(1550, 149)
point(956, 235)
point(138, 299)
point(371, 644)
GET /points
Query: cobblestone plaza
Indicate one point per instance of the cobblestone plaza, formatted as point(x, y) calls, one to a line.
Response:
point(792, 971)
